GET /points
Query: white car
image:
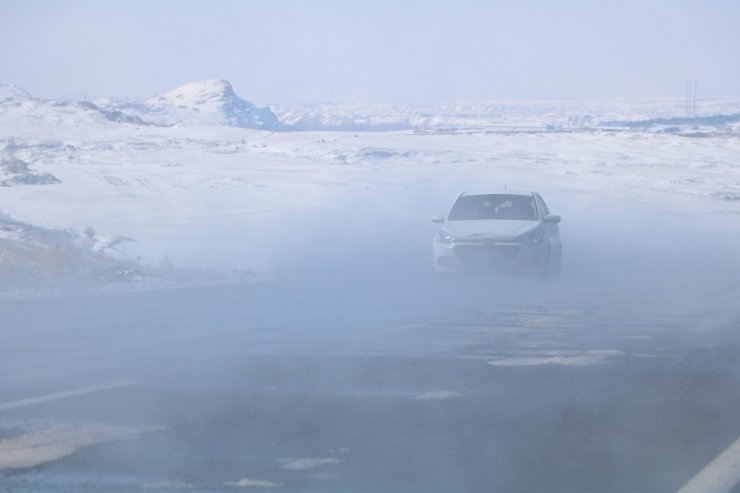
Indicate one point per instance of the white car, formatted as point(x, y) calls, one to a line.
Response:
point(505, 232)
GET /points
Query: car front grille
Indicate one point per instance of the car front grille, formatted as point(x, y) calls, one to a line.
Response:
point(485, 254)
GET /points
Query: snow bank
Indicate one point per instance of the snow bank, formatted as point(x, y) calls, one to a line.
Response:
point(309, 463)
point(564, 358)
point(253, 483)
point(33, 257)
point(52, 443)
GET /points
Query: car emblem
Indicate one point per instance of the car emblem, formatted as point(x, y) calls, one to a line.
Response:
point(487, 241)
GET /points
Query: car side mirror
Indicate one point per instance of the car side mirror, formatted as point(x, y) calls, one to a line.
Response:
point(439, 218)
point(552, 219)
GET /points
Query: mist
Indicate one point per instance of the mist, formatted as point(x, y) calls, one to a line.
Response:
point(355, 367)
point(217, 254)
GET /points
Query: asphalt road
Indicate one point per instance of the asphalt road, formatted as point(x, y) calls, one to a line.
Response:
point(387, 385)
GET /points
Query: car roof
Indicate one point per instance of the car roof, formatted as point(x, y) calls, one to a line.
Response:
point(498, 192)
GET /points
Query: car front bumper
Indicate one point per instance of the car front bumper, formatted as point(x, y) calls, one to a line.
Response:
point(499, 257)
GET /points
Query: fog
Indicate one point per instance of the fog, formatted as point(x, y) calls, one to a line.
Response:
point(356, 368)
point(200, 293)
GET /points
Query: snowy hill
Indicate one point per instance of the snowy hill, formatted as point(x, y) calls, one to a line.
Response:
point(11, 93)
point(204, 102)
point(211, 101)
point(20, 113)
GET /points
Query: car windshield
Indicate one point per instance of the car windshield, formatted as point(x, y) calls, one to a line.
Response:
point(494, 206)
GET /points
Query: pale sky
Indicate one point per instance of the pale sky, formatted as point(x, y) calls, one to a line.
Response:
point(283, 51)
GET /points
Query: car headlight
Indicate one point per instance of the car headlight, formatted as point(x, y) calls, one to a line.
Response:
point(535, 237)
point(445, 238)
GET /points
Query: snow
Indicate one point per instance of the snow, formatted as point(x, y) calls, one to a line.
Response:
point(506, 115)
point(32, 256)
point(252, 483)
point(55, 442)
point(210, 101)
point(565, 358)
point(16, 172)
point(309, 463)
point(205, 194)
point(13, 94)
point(197, 94)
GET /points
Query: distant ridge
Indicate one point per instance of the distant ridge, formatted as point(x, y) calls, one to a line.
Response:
point(214, 102)
point(9, 92)
point(682, 120)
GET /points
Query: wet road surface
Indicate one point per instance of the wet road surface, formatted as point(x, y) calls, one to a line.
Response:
point(465, 385)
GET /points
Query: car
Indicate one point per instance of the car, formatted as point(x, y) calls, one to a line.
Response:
point(504, 232)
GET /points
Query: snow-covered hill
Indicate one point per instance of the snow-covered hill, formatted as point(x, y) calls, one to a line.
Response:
point(10, 93)
point(210, 101)
point(20, 111)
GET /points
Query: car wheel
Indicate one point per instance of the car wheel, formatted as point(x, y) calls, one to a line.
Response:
point(553, 264)
point(551, 267)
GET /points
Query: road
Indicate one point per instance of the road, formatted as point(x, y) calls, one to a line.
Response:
point(384, 383)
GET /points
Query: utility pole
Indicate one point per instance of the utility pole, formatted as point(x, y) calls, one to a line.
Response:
point(690, 97)
point(686, 90)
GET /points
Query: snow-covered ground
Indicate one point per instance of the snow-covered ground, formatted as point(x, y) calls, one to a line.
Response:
point(507, 115)
point(213, 195)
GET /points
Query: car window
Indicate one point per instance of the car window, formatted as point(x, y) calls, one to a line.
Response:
point(494, 206)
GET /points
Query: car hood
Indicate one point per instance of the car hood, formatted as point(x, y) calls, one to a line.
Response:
point(501, 229)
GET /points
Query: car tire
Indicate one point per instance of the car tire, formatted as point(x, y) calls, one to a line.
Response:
point(552, 265)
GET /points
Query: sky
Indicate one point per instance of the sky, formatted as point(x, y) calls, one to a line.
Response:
point(304, 51)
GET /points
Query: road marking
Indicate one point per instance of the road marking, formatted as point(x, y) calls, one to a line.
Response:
point(63, 395)
point(720, 475)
